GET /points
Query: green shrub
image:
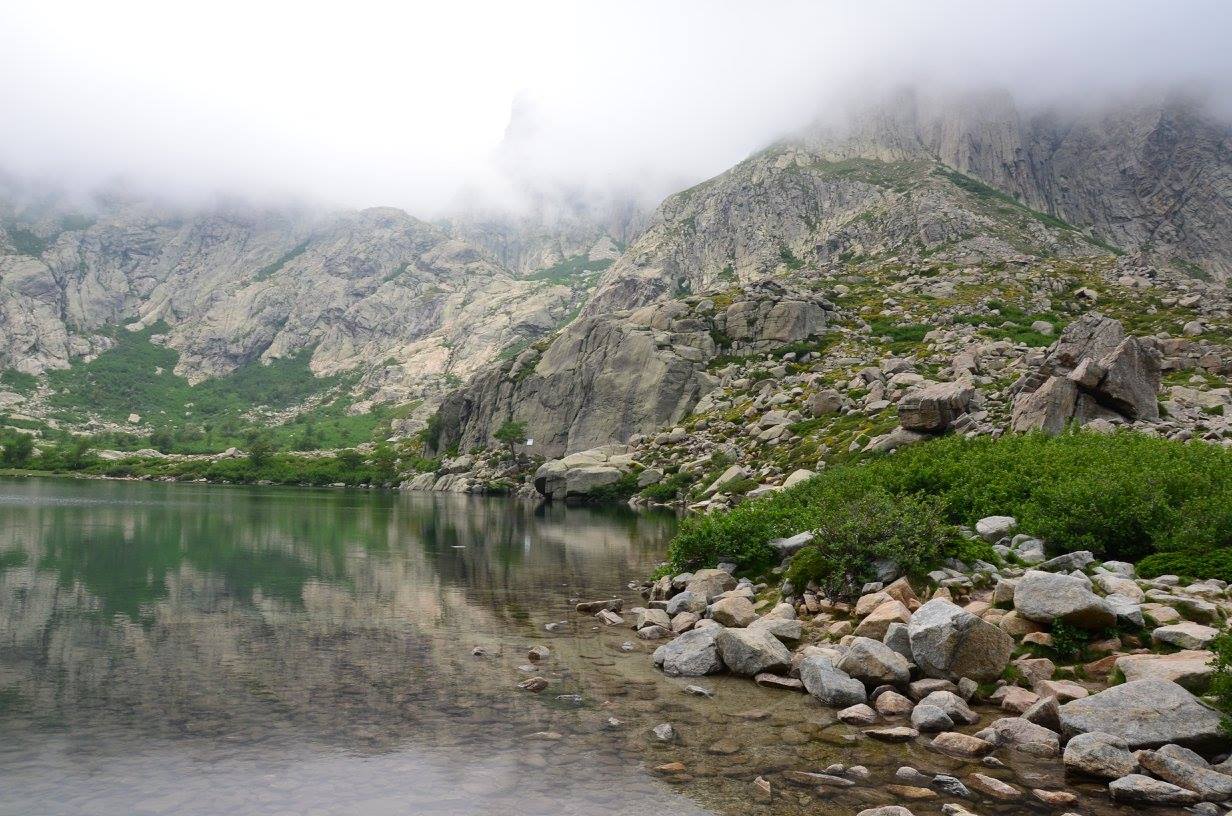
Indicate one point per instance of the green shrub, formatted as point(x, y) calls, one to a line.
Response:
point(17, 450)
point(620, 490)
point(1221, 682)
point(1123, 496)
point(908, 530)
point(1068, 642)
point(670, 488)
point(1188, 564)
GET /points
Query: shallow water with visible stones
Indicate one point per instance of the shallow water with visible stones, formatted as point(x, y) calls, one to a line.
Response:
point(194, 649)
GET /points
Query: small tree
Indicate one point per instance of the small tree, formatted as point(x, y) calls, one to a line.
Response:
point(384, 463)
point(511, 433)
point(18, 448)
point(350, 460)
point(260, 449)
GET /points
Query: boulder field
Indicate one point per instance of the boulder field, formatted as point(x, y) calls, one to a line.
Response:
point(970, 669)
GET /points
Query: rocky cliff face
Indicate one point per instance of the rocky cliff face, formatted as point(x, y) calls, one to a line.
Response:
point(1154, 176)
point(238, 285)
point(609, 377)
point(958, 180)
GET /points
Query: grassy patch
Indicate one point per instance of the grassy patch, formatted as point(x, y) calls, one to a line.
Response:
point(1123, 496)
point(18, 381)
point(267, 272)
point(568, 271)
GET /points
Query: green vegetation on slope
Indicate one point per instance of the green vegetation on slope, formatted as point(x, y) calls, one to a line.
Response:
point(568, 271)
point(1123, 496)
point(137, 375)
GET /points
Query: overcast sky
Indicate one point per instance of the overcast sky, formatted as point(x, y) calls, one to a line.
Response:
point(365, 103)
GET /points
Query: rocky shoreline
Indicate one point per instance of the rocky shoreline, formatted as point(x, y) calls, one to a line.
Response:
point(1064, 660)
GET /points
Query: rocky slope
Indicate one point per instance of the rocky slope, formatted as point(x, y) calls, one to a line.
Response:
point(953, 192)
point(376, 291)
point(608, 377)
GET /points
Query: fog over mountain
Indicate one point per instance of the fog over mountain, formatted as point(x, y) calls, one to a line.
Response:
point(493, 105)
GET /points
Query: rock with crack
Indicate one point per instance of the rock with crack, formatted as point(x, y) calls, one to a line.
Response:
point(932, 408)
point(749, 652)
point(949, 642)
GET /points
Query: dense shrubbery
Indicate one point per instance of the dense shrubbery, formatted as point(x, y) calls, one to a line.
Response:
point(851, 536)
point(1221, 682)
point(1122, 496)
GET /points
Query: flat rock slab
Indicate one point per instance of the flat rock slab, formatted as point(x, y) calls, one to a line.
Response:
point(1146, 714)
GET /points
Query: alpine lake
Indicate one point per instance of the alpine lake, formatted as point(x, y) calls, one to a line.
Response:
point(193, 649)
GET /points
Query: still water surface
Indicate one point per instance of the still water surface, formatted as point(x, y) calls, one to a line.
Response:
point(192, 649)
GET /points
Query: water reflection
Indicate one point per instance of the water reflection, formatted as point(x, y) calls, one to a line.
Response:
point(157, 640)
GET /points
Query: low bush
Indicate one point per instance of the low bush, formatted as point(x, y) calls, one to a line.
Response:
point(1123, 496)
point(620, 490)
point(669, 489)
point(1221, 682)
point(852, 536)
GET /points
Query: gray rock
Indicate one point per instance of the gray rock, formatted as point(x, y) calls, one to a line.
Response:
point(949, 642)
point(787, 546)
point(1211, 786)
point(749, 652)
point(930, 719)
point(1131, 383)
point(1078, 560)
point(733, 611)
point(1044, 597)
point(995, 528)
point(1143, 790)
point(897, 639)
point(831, 686)
point(1190, 669)
point(1146, 714)
point(664, 732)
point(1106, 756)
point(782, 628)
point(1023, 735)
point(932, 408)
point(872, 662)
point(954, 706)
point(686, 602)
point(1185, 635)
point(708, 583)
point(692, 654)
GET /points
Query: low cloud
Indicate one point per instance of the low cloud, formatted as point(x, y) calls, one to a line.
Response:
point(425, 105)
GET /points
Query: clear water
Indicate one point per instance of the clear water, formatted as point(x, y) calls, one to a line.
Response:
point(192, 649)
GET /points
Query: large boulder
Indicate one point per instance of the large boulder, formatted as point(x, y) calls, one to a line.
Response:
point(949, 642)
point(1130, 384)
point(1093, 372)
point(874, 663)
point(932, 408)
point(1212, 786)
point(1143, 790)
point(734, 610)
point(1190, 669)
point(1106, 756)
point(1185, 635)
point(693, 654)
point(877, 623)
point(1145, 714)
point(581, 481)
point(1049, 408)
point(1044, 597)
point(830, 685)
point(708, 583)
point(750, 652)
